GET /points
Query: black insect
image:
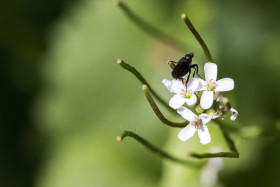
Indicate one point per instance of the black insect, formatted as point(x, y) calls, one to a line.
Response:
point(183, 67)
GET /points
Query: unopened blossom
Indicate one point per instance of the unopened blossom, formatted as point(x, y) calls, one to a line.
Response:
point(210, 85)
point(234, 114)
point(197, 123)
point(182, 94)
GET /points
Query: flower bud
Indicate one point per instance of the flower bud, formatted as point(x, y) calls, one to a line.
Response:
point(210, 111)
point(199, 109)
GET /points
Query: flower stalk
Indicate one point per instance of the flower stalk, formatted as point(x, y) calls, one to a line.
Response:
point(215, 155)
point(155, 149)
point(158, 112)
point(198, 37)
point(143, 81)
point(230, 143)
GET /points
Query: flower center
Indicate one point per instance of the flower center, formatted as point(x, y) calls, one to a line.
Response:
point(211, 85)
point(188, 94)
point(197, 123)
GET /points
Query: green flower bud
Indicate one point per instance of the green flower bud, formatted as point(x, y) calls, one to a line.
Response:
point(199, 109)
point(210, 111)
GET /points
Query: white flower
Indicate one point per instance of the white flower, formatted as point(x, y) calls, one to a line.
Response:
point(211, 85)
point(234, 114)
point(182, 95)
point(197, 123)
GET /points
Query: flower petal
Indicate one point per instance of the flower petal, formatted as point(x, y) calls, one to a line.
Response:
point(216, 115)
point(167, 84)
point(201, 85)
point(225, 84)
point(210, 70)
point(187, 132)
point(192, 100)
point(234, 114)
point(206, 100)
point(193, 84)
point(186, 113)
point(204, 135)
point(205, 118)
point(177, 101)
point(177, 86)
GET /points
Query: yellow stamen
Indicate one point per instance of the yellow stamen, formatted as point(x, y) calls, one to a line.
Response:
point(211, 86)
point(188, 94)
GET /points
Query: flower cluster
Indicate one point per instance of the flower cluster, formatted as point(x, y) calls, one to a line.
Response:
point(208, 91)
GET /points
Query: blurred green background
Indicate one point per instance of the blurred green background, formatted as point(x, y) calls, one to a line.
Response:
point(64, 99)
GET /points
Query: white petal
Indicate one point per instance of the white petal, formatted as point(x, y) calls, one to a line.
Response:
point(186, 113)
point(225, 84)
point(233, 117)
point(193, 84)
point(177, 86)
point(232, 110)
point(204, 135)
point(210, 70)
point(216, 115)
point(206, 100)
point(234, 114)
point(191, 101)
point(201, 85)
point(187, 132)
point(177, 101)
point(205, 118)
point(167, 84)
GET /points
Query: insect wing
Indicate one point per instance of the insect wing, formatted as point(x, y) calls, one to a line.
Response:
point(181, 69)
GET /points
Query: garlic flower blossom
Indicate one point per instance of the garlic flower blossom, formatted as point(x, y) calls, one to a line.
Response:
point(211, 85)
point(182, 94)
point(197, 123)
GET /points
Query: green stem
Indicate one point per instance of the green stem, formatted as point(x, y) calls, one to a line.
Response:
point(215, 155)
point(143, 81)
point(169, 40)
point(157, 111)
point(154, 149)
point(198, 38)
point(230, 143)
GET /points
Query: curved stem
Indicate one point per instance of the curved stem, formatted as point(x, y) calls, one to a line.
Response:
point(143, 81)
point(215, 155)
point(157, 111)
point(150, 29)
point(154, 149)
point(198, 38)
point(230, 143)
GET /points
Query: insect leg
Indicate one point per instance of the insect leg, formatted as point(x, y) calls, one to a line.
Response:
point(195, 66)
point(188, 79)
point(193, 74)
